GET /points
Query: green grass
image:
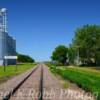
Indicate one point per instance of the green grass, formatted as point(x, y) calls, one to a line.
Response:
point(65, 83)
point(86, 78)
point(11, 71)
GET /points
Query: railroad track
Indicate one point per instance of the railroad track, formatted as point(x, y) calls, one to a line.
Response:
point(40, 84)
point(32, 83)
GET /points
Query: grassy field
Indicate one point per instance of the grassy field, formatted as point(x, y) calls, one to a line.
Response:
point(11, 71)
point(86, 78)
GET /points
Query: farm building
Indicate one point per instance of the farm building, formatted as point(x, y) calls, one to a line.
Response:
point(7, 43)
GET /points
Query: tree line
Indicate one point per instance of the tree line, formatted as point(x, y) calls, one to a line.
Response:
point(25, 59)
point(84, 49)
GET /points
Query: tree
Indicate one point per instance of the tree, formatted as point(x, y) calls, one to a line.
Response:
point(71, 55)
point(25, 59)
point(59, 55)
point(87, 41)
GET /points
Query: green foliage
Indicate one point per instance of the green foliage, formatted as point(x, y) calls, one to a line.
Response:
point(71, 55)
point(59, 55)
point(11, 71)
point(87, 42)
point(25, 59)
point(88, 79)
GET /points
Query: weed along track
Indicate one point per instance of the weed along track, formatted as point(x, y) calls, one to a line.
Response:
point(29, 88)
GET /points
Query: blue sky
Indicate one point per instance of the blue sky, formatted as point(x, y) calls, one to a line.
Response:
point(40, 25)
